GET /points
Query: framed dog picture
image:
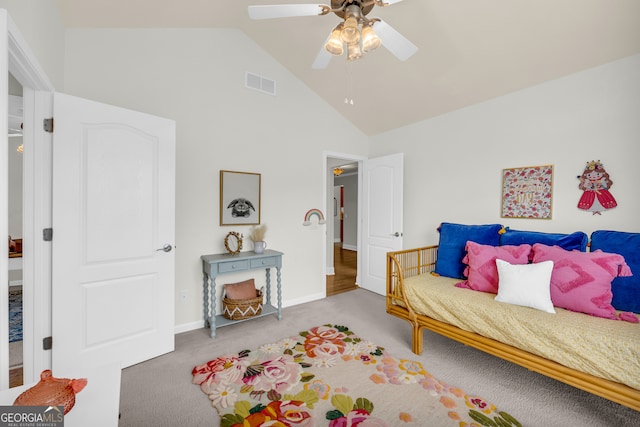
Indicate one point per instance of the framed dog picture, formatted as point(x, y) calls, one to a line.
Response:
point(239, 198)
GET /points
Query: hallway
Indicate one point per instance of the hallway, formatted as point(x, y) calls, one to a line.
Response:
point(345, 265)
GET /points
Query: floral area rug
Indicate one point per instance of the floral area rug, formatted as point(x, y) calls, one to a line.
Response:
point(328, 376)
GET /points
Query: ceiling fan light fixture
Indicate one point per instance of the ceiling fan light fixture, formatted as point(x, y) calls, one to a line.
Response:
point(334, 45)
point(350, 32)
point(370, 40)
point(355, 29)
point(353, 51)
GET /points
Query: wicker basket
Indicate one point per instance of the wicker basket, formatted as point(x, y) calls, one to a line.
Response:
point(238, 309)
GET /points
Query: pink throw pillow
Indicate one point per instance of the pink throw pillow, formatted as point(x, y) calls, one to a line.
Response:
point(241, 290)
point(481, 270)
point(581, 281)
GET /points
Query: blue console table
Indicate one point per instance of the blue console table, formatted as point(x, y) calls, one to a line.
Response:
point(217, 264)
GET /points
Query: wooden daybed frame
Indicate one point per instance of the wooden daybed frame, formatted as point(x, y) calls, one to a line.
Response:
point(412, 262)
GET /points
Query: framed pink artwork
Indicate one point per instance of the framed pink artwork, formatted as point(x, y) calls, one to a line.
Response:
point(527, 192)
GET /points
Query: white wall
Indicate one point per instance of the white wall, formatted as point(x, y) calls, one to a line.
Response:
point(196, 77)
point(40, 24)
point(453, 163)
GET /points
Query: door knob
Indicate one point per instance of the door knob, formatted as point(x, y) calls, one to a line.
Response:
point(396, 234)
point(165, 248)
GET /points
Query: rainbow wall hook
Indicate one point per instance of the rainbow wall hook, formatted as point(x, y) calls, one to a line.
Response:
point(311, 213)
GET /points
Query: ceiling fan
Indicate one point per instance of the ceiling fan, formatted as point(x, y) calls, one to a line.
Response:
point(357, 33)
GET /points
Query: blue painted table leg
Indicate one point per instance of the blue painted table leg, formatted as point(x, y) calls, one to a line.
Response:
point(205, 290)
point(268, 300)
point(279, 293)
point(213, 307)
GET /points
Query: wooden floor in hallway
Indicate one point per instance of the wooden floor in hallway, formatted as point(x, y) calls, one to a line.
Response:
point(345, 265)
point(15, 377)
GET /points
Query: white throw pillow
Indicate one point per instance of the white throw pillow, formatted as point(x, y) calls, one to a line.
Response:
point(528, 285)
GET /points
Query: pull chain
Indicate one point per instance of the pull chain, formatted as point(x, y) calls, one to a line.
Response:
point(349, 83)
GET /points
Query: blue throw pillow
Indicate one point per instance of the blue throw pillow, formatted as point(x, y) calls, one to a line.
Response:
point(626, 290)
point(453, 239)
point(569, 242)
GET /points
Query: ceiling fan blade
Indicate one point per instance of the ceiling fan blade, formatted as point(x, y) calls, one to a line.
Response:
point(284, 10)
point(395, 42)
point(322, 59)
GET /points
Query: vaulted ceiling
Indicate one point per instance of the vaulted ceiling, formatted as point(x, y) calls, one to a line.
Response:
point(469, 50)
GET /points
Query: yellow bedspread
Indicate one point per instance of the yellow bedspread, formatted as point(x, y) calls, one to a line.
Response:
point(605, 348)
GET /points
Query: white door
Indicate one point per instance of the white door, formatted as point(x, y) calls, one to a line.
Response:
point(381, 217)
point(4, 208)
point(113, 213)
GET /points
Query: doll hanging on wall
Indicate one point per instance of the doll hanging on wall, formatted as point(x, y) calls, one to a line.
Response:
point(595, 184)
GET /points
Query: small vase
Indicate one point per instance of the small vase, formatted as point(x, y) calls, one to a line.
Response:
point(259, 247)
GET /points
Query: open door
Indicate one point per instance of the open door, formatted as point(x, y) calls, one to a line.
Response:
point(382, 190)
point(113, 235)
point(4, 207)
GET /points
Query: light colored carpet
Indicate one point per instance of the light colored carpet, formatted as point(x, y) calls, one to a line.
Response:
point(159, 392)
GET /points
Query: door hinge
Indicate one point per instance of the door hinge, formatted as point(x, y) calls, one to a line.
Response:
point(47, 343)
point(48, 125)
point(47, 234)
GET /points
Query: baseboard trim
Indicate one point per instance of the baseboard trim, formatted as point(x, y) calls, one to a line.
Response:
point(350, 247)
point(308, 298)
point(199, 324)
point(186, 327)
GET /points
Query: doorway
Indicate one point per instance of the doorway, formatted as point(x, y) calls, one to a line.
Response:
point(345, 246)
point(343, 184)
point(379, 215)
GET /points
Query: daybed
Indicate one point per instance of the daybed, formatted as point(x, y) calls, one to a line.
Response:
point(598, 355)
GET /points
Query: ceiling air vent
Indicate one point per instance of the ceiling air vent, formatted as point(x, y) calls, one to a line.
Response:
point(259, 83)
